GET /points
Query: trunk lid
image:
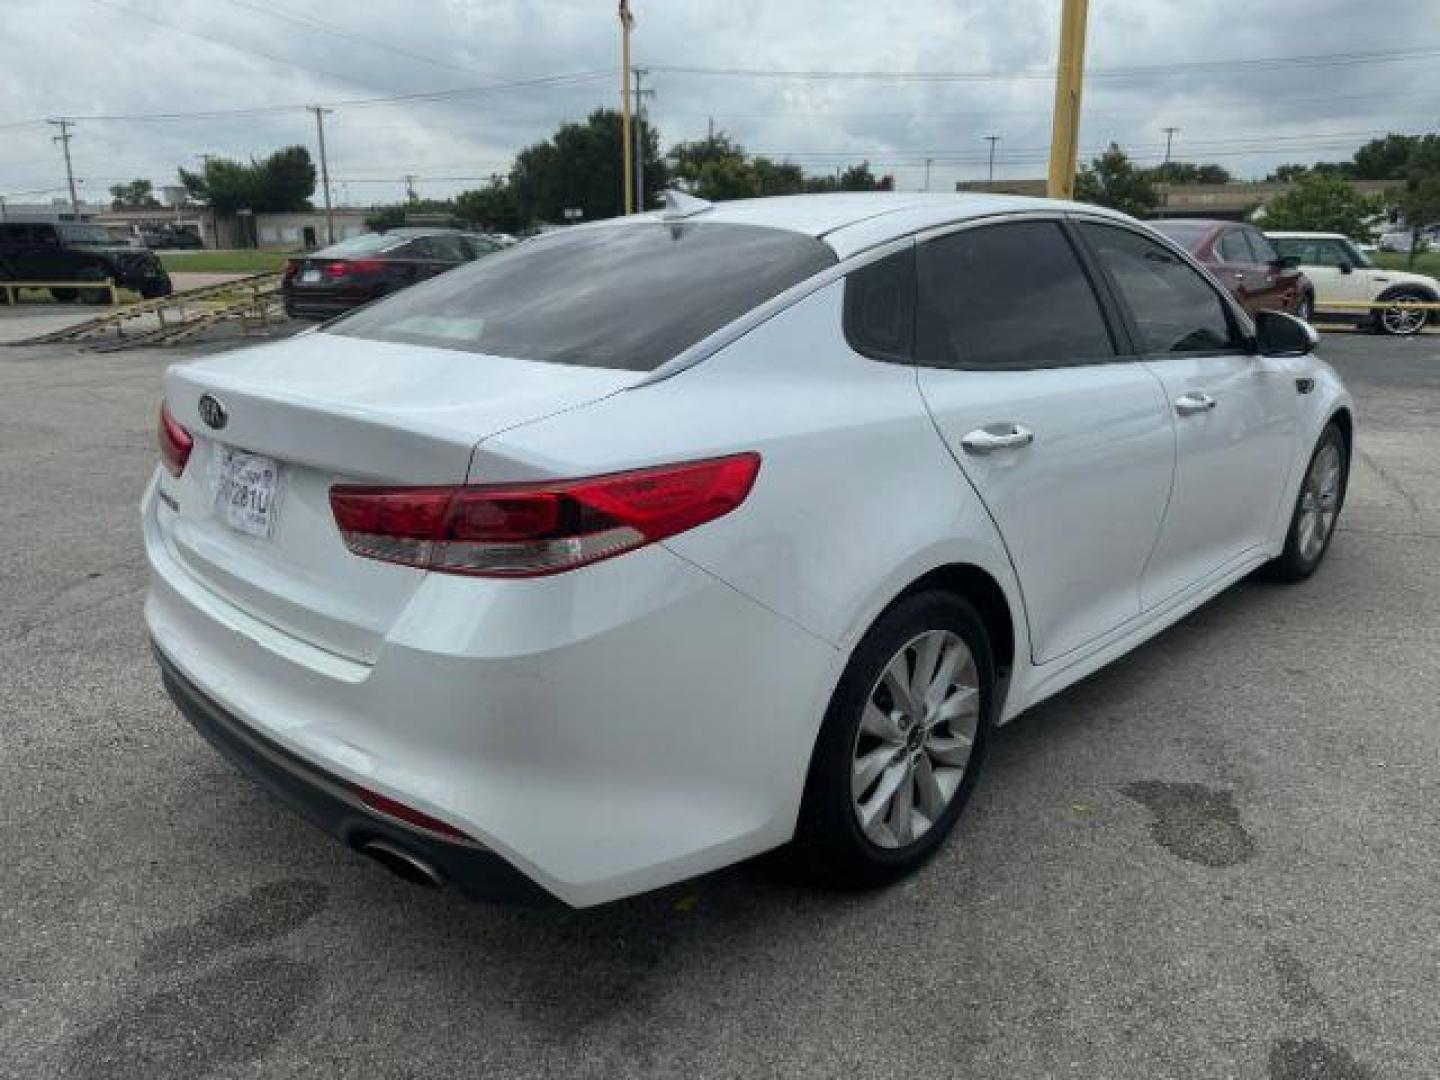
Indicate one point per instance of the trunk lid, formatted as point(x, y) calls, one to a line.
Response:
point(334, 410)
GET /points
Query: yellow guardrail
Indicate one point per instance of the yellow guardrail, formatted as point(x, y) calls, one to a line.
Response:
point(1371, 305)
point(12, 288)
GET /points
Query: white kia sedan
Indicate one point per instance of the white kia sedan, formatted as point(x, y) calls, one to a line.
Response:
point(649, 545)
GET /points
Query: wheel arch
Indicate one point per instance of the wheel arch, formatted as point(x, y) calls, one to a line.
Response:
point(1393, 291)
point(1342, 419)
point(985, 593)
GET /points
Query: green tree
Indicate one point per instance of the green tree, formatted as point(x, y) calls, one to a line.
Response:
point(492, 207)
point(1418, 198)
point(774, 178)
point(1321, 203)
point(1385, 159)
point(688, 161)
point(136, 195)
point(1186, 172)
point(580, 166)
point(283, 181)
point(1113, 180)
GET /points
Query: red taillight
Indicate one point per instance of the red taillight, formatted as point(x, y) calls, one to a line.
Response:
point(524, 530)
point(292, 267)
point(400, 812)
point(353, 267)
point(175, 442)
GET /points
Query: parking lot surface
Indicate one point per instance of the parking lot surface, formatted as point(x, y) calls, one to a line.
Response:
point(1216, 858)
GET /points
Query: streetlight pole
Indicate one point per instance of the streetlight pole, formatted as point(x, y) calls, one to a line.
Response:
point(64, 140)
point(626, 21)
point(324, 171)
point(992, 140)
point(1069, 78)
point(928, 161)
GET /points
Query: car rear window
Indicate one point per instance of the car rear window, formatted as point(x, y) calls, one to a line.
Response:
point(1185, 233)
point(366, 244)
point(627, 296)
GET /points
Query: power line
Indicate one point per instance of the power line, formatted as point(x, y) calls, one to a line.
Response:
point(1252, 64)
point(350, 103)
point(330, 28)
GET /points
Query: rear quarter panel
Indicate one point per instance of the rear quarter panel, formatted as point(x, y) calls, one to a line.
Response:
point(856, 496)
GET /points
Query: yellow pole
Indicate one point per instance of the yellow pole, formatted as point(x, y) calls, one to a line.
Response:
point(1069, 75)
point(626, 21)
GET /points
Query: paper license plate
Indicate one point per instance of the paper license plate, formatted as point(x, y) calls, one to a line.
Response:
point(247, 492)
point(310, 276)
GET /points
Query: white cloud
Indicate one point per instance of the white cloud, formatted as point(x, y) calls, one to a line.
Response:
point(84, 57)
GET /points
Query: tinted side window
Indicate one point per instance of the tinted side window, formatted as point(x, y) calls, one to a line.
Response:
point(1175, 309)
point(1006, 297)
point(880, 307)
point(446, 247)
point(1261, 248)
point(1233, 249)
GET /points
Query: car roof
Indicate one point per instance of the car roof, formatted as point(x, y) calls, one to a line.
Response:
point(853, 221)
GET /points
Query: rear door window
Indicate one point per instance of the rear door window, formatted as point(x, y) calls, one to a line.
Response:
point(1007, 297)
point(1175, 309)
point(1233, 249)
point(880, 308)
point(628, 296)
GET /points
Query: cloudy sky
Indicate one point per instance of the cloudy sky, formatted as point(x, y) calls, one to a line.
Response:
point(785, 77)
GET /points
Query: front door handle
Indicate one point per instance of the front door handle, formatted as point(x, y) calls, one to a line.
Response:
point(1193, 402)
point(992, 437)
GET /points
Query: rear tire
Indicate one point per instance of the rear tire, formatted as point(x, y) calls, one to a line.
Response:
point(1317, 509)
point(891, 727)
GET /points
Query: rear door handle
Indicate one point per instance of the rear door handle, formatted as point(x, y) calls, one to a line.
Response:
point(1194, 402)
point(992, 437)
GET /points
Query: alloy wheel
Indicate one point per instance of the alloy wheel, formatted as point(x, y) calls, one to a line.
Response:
point(1397, 320)
point(1319, 502)
point(915, 739)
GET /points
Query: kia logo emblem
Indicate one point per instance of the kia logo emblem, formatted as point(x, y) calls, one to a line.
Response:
point(212, 411)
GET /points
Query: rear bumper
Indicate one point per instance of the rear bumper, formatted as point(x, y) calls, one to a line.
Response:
point(604, 732)
point(332, 805)
point(323, 305)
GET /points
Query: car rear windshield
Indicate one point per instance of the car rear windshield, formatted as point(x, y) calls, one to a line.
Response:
point(628, 296)
point(1185, 233)
point(365, 244)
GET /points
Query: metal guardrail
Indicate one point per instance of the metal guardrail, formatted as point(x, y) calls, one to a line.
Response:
point(181, 315)
point(12, 288)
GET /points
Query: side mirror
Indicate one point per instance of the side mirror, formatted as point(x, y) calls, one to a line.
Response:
point(1346, 268)
point(1288, 262)
point(1278, 334)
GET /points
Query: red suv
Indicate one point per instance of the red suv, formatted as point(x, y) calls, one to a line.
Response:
point(1246, 263)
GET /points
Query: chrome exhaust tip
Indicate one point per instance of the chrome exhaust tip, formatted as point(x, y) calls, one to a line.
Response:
point(402, 864)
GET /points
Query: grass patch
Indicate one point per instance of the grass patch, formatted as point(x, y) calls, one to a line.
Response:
point(1426, 262)
point(223, 262)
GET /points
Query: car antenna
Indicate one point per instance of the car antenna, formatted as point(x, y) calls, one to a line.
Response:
point(680, 205)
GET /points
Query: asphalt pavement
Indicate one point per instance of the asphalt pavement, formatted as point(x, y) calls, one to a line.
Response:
point(1216, 858)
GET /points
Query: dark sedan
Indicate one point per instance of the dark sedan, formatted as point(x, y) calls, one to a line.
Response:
point(1245, 262)
point(343, 276)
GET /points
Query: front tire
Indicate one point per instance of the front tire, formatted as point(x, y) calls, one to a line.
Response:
point(901, 745)
point(1403, 322)
point(1317, 508)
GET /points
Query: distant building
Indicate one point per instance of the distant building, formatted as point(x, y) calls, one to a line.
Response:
point(1235, 202)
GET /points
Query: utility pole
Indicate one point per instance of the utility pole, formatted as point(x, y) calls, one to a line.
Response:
point(64, 140)
point(626, 21)
point(710, 131)
point(992, 140)
point(1069, 77)
point(410, 188)
point(324, 171)
point(640, 74)
point(928, 162)
point(1169, 135)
